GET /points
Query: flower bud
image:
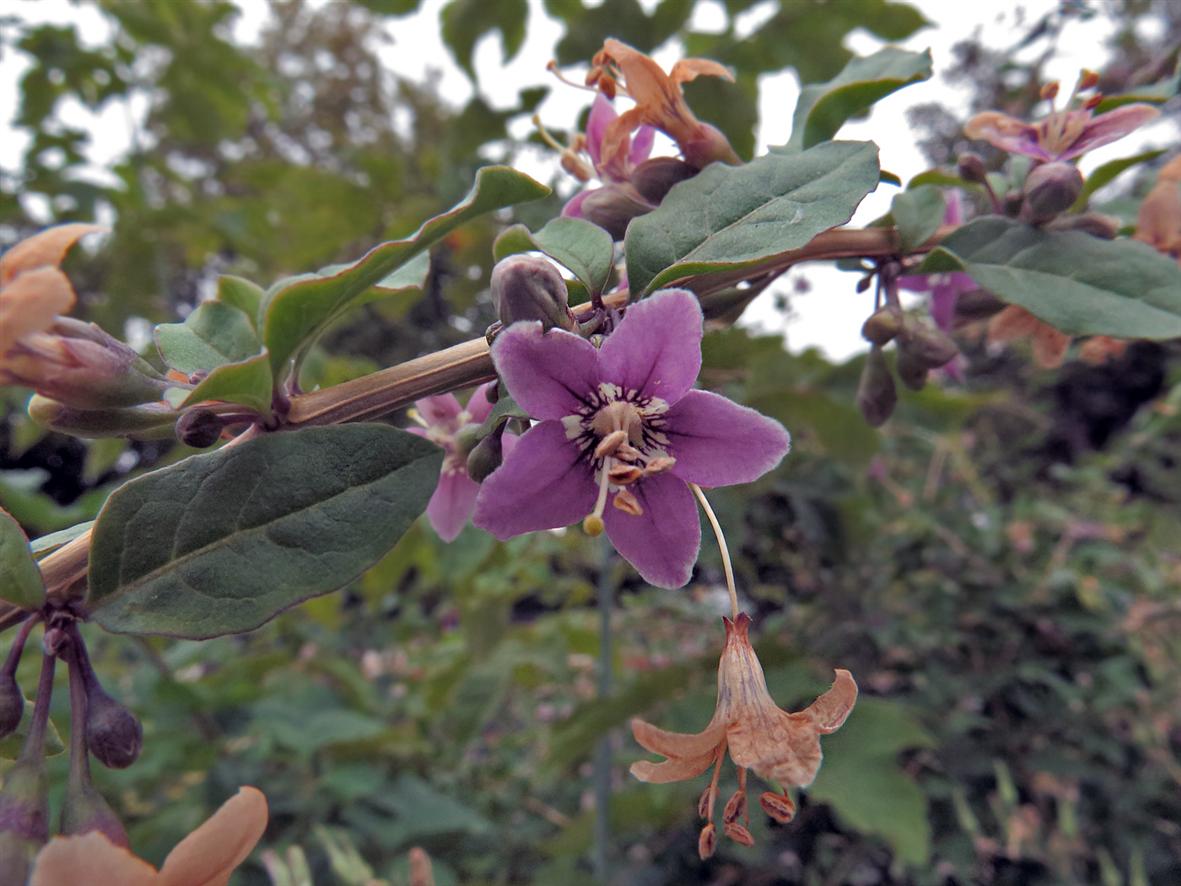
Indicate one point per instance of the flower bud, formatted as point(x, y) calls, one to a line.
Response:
point(528, 288)
point(486, 456)
point(24, 818)
point(1050, 189)
point(151, 422)
point(199, 428)
point(12, 704)
point(612, 207)
point(928, 345)
point(705, 146)
point(882, 325)
point(467, 438)
point(654, 178)
point(912, 370)
point(971, 168)
point(84, 810)
point(876, 394)
point(113, 734)
point(976, 304)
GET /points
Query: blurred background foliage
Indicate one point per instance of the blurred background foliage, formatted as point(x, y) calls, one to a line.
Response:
point(997, 565)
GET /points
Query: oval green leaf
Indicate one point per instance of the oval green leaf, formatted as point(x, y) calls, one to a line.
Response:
point(917, 213)
point(220, 543)
point(20, 579)
point(584, 248)
point(213, 335)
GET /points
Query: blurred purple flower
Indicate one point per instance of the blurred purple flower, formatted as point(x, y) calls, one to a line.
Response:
point(944, 289)
point(443, 419)
point(621, 425)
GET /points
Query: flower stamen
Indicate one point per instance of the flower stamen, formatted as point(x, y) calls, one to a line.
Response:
point(627, 502)
point(778, 806)
point(592, 524)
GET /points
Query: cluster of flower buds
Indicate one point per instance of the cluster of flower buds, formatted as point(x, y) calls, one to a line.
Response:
point(920, 348)
point(99, 726)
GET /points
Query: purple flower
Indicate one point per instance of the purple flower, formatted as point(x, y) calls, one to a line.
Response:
point(614, 171)
point(622, 426)
point(945, 289)
point(1064, 134)
point(443, 420)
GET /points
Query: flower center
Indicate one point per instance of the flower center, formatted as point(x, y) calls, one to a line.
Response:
point(621, 436)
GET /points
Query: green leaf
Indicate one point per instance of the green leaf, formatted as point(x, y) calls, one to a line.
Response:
point(1078, 283)
point(54, 540)
point(505, 409)
point(464, 22)
point(11, 744)
point(1107, 173)
point(730, 217)
point(862, 781)
point(219, 543)
point(249, 382)
point(918, 213)
point(213, 335)
point(20, 579)
point(824, 107)
point(240, 293)
point(586, 249)
point(298, 309)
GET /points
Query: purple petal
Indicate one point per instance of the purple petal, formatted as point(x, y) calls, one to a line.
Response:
point(479, 405)
point(915, 282)
point(452, 504)
point(657, 348)
point(1007, 133)
point(953, 213)
point(716, 442)
point(662, 543)
point(944, 294)
point(440, 410)
point(602, 115)
point(549, 373)
point(1109, 127)
point(542, 484)
point(641, 147)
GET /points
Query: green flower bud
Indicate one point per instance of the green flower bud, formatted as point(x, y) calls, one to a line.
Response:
point(199, 428)
point(12, 704)
point(528, 288)
point(486, 457)
point(976, 304)
point(85, 810)
point(466, 440)
point(113, 734)
point(1050, 189)
point(654, 178)
point(152, 422)
point(876, 395)
point(24, 818)
point(882, 325)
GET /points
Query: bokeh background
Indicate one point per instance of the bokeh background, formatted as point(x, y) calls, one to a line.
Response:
point(998, 565)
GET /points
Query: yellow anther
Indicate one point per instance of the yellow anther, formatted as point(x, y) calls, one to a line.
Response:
point(1050, 90)
point(609, 444)
point(625, 501)
point(592, 525)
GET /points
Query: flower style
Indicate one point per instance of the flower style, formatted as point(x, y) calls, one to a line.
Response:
point(620, 69)
point(621, 425)
point(776, 745)
point(72, 362)
point(1065, 134)
point(206, 857)
point(443, 421)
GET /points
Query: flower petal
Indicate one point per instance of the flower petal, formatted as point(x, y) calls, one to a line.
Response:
point(832, 708)
point(543, 483)
point(777, 746)
point(689, 69)
point(47, 248)
point(602, 115)
point(91, 859)
point(641, 146)
point(440, 410)
point(678, 744)
point(1007, 133)
point(208, 855)
point(662, 543)
point(32, 302)
point(716, 442)
point(676, 769)
point(478, 405)
point(1109, 127)
point(548, 373)
point(657, 348)
point(452, 503)
point(573, 207)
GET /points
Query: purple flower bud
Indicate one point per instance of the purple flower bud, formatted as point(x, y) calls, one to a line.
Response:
point(153, 421)
point(24, 818)
point(882, 326)
point(528, 288)
point(876, 395)
point(912, 370)
point(971, 168)
point(976, 304)
point(654, 178)
point(612, 208)
point(1050, 189)
point(927, 345)
point(113, 734)
point(199, 428)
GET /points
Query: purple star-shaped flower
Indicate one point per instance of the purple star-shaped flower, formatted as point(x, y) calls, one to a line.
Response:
point(442, 421)
point(613, 171)
point(621, 435)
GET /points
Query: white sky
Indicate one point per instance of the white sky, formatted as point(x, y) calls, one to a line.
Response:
point(821, 317)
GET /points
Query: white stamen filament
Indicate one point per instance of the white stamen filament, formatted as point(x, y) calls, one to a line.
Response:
point(722, 548)
point(415, 416)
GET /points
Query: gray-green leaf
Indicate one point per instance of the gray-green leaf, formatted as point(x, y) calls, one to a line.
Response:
point(213, 335)
point(730, 217)
point(586, 249)
point(1078, 283)
point(219, 543)
point(917, 213)
point(20, 579)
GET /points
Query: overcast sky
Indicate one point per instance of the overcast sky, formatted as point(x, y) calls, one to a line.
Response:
point(820, 317)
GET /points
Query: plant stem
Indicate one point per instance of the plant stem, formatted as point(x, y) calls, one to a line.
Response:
point(35, 741)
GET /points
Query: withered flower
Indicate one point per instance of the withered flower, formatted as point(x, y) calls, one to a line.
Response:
point(1159, 220)
point(776, 745)
point(619, 69)
point(1050, 344)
